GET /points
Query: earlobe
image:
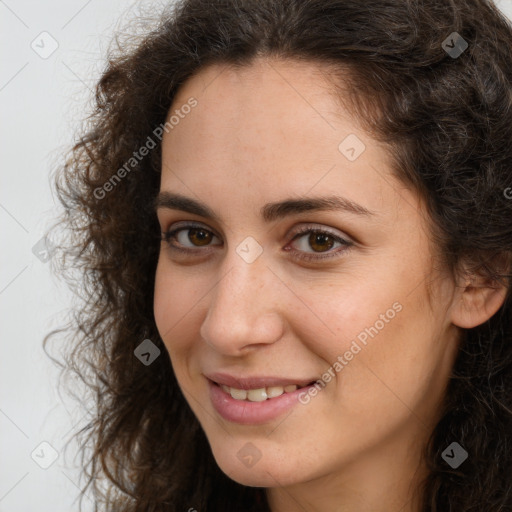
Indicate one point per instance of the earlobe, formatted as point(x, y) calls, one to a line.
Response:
point(478, 301)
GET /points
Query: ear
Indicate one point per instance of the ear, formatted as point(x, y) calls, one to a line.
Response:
point(479, 298)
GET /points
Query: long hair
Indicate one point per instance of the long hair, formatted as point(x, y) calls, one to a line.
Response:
point(433, 80)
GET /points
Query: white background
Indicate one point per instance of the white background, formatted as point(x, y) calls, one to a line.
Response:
point(42, 101)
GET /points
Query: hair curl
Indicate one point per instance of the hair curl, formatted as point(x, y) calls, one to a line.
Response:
point(447, 123)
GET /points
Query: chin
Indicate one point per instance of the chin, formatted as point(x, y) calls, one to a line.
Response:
point(264, 473)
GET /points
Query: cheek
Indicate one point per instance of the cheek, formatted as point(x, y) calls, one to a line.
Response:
point(173, 311)
point(352, 317)
point(381, 342)
point(161, 300)
point(394, 371)
point(173, 301)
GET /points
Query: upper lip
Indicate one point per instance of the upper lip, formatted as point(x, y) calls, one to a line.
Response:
point(255, 382)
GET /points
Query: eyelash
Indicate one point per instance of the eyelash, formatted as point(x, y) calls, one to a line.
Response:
point(171, 235)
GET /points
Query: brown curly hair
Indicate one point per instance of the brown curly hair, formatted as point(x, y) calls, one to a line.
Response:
point(447, 122)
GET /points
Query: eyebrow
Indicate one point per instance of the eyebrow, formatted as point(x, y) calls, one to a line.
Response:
point(270, 211)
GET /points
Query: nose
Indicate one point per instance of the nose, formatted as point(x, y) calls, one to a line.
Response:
point(244, 309)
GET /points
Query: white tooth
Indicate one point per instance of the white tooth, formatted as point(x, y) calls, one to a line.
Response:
point(274, 391)
point(257, 395)
point(290, 388)
point(225, 388)
point(238, 394)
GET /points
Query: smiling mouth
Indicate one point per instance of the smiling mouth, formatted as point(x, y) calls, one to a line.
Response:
point(260, 394)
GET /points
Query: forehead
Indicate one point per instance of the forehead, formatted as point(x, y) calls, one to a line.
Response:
point(270, 129)
point(269, 97)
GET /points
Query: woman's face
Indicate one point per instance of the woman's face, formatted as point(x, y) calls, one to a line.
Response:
point(237, 302)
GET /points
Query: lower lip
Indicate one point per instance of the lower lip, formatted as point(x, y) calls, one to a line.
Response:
point(252, 413)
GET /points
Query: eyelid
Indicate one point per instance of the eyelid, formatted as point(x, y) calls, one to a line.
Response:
point(305, 228)
point(188, 224)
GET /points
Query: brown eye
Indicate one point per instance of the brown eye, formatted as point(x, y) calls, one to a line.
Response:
point(313, 244)
point(316, 244)
point(187, 238)
point(199, 236)
point(320, 241)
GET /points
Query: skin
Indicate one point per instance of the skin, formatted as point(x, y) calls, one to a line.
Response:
point(269, 132)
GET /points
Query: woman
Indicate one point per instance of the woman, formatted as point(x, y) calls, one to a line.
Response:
point(293, 219)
